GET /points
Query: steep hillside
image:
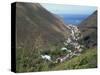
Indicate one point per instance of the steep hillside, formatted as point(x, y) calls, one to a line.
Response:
point(44, 43)
point(37, 31)
point(89, 30)
point(36, 27)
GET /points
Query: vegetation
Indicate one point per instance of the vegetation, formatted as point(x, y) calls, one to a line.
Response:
point(39, 32)
point(30, 63)
point(86, 60)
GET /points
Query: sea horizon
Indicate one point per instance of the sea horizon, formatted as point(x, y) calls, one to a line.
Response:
point(74, 19)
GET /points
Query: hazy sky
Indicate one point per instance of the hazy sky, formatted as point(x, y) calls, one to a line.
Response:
point(69, 9)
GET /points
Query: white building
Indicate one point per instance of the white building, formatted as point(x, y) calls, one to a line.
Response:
point(47, 57)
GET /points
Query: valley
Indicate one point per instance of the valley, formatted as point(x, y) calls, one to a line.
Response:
point(71, 46)
point(44, 42)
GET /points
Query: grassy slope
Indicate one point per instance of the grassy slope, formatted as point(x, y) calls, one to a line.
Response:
point(87, 60)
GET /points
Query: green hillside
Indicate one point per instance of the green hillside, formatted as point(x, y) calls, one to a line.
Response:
point(86, 60)
point(41, 33)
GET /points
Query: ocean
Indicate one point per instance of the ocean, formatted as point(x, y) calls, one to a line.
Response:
point(73, 19)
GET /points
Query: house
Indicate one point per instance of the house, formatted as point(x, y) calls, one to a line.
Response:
point(47, 57)
point(64, 48)
point(62, 58)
